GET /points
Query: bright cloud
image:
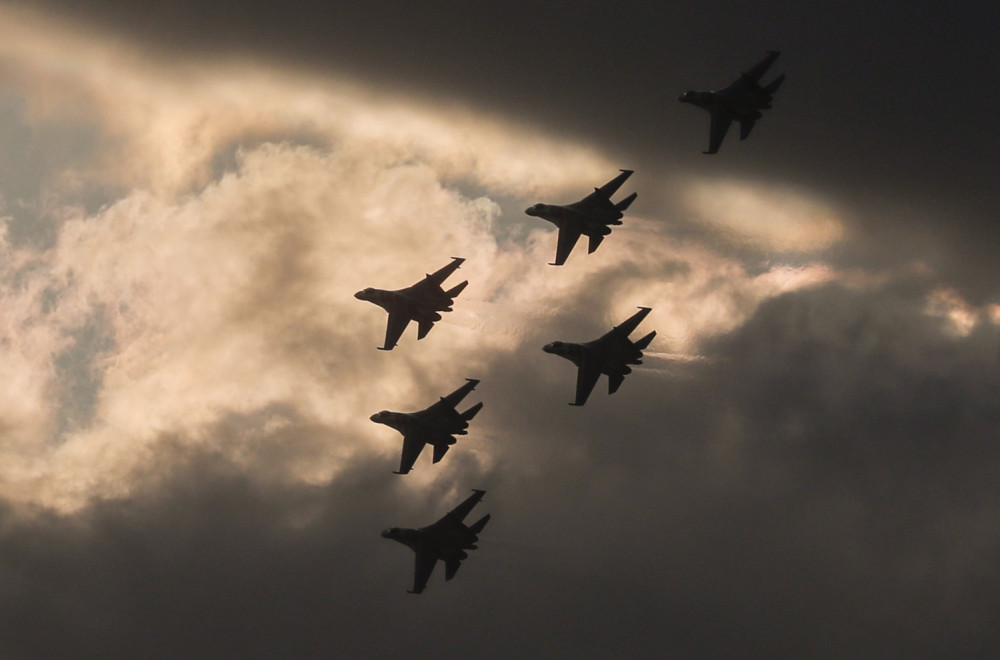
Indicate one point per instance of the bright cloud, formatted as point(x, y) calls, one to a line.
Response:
point(216, 290)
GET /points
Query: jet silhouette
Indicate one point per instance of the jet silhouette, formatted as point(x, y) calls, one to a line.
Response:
point(590, 216)
point(741, 101)
point(446, 540)
point(421, 302)
point(436, 425)
point(610, 354)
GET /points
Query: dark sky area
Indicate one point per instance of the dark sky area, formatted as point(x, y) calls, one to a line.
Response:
point(819, 480)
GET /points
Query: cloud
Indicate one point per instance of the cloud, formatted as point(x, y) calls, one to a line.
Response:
point(244, 207)
point(187, 463)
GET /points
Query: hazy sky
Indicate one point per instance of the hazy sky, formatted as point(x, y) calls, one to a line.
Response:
point(190, 192)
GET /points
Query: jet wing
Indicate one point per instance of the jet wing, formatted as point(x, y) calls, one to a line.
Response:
point(455, 517)
point(601, 197)
point(423, 567)
point(569, 234)
point(394, 329)
point(749, 82)
point(586, 378)
point(446, 405)
point(456, 397)
point(630, 324)
point(722, 117)
point(758, 71)
point(439, 276)
point(413, 444)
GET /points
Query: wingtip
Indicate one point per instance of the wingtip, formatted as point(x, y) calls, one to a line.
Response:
point(383, 348)
point(579, 405)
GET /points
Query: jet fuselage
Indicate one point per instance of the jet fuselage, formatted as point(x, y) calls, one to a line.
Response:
point(588, 222)
point(614, 360)
point(419, 308)
point(742, 107)
point(438, 428)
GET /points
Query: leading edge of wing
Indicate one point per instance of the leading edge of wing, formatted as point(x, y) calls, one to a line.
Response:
point(413, 444)
point(423, 565)
point(569, 234)
point(456, 397)
point(758, 70)
point(722, 117)
point(459, 513)
point(586, 379)
point(601, 197)
point(394, 329)
point(628, 326)
point(442, 273)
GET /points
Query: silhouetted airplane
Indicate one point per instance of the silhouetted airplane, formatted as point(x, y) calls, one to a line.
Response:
point(611, 354)
point(420, 302)
point(742, 101)
point(590, 216)
point(447, 540)
point(435, 425)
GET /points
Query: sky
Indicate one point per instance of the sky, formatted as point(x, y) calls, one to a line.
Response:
point(190, 193)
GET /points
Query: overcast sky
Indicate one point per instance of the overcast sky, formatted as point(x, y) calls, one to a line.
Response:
point(190, 192)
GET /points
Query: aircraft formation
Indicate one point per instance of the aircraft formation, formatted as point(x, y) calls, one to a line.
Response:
point(612, 354)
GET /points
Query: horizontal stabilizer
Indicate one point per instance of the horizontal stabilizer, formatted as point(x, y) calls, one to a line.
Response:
point(479, 524)
point(595, 241)
point(451, 567)
point(439, 452)
point(615, 381)
point(423, 328)
point(773, 86)
point(471, 412)
point(451, 293)
point(625, 203)
point(644, 342)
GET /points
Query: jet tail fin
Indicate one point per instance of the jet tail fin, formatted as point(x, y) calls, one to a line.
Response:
point(479, 524)
point(471, 412)
point(451, 293)
point(644, 342)
point(773, 86)
point(625, 203)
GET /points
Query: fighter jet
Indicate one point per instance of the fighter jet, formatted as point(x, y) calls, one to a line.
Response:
point(447, 540)
point(590, 216)
point(742, 101)
point(421, 302)
point(435, 425)
point(611, 354)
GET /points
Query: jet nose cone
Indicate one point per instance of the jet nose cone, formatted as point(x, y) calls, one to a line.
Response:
point(533, 210)
point(360, 295)
point(377, 417)
point(549, 348)
point(386, 534)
